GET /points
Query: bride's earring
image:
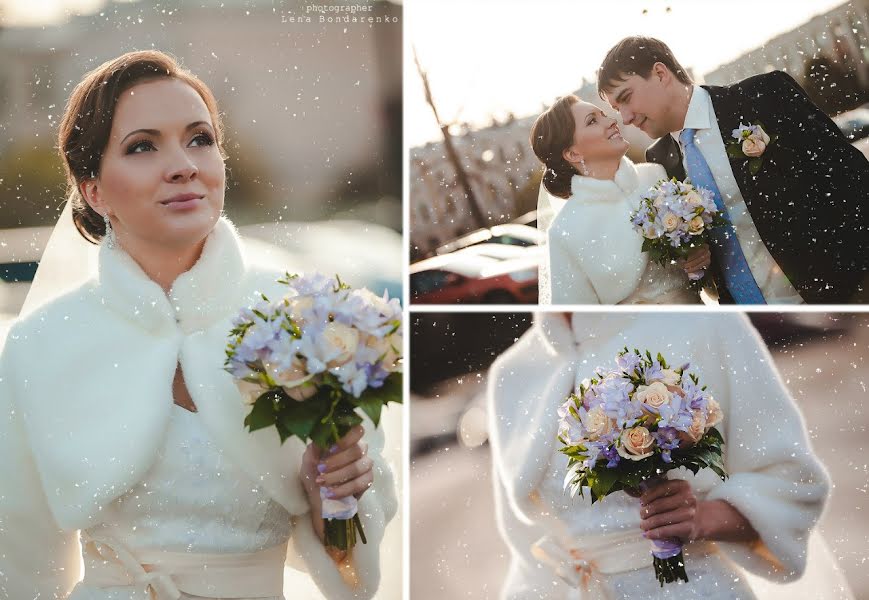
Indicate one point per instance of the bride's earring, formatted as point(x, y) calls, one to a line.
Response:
point(583, 170)
point(109, 237)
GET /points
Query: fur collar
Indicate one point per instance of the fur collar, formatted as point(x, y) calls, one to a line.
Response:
point(110, 349)
point(593, 233)
point(197, 298)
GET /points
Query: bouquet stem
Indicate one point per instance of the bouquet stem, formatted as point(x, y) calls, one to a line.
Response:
point(668, 570)
point(341, 533)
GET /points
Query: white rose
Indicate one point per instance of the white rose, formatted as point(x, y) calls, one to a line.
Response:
point(714, 415)
point(693, 199)
point(670, 221)
point(697, 428)
point(637, 443)
point(389, 347)
point(300, 304)
point(659, 200)
point(753, 147)
point(761, 135)
point(654, 396)
point(696, 225)
point(302, 392)
point(343, 339)
point(596, 423)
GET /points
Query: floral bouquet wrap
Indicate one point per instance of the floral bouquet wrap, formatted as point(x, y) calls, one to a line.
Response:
point(674, 217)
point(629, 425)
point(307, 361)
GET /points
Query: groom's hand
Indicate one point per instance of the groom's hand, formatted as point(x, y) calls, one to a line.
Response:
point(697, 260)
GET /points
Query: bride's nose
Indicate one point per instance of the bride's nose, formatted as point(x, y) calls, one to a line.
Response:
point(182, 169)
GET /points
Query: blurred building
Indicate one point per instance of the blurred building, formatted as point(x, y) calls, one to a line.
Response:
point(312, 109)
point(840, 35)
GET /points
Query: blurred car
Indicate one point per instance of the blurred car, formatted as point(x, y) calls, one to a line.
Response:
point(510, 233)
point(854, 123)
point(502, 251)
point(467, 277)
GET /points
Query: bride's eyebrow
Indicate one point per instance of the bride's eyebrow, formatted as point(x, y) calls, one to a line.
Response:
point(156, 132)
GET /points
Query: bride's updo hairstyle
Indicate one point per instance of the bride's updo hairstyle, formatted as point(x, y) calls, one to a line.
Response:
point(551, 135)
point(87, 122)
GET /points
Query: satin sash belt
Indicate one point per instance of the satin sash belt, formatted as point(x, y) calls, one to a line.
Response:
point(167, 574)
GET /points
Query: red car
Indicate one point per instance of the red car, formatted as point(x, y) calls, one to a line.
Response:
point(466, 277)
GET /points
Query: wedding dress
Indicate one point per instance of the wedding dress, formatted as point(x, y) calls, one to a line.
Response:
point(192, 500)
point(565, 548)
point(593, 255)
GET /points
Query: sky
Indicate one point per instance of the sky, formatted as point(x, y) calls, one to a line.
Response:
point(491, 57)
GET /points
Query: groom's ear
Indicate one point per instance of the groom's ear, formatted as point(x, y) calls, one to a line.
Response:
point(661, 72)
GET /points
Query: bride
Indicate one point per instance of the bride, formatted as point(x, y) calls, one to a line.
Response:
point(587, 194)
point(121, 435)
point(745, 536)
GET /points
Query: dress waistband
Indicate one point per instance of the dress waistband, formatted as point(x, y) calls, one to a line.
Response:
point(583, 564)
point(108, 563)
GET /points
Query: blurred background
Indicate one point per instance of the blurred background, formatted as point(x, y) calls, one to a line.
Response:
point(312, 111)
point(456, 551)
point(478, 76)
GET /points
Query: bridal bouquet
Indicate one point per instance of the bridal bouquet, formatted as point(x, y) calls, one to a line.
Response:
point(673, 218)
point(629, 425)
point(305, 362)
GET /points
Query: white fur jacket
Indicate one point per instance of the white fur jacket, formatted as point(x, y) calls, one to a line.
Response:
point(775, 479)
point(86, 395)
point(595, 256)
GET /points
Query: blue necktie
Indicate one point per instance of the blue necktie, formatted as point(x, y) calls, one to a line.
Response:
point(738, 278)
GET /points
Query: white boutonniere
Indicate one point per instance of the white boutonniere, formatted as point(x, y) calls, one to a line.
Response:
point(750, 142)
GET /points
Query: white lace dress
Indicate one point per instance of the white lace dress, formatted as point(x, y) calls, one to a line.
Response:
point(192, 500)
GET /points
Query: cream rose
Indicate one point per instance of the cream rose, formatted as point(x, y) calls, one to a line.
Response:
point(753, 147)
point(670, 221)
point(294, 380)
point(637, 443)
point(344, 339)
point(654, 396)
point(668, 377)
point(249, 391)
point(697, 428)
point(693, 199)
point(714, 415)
point(596, 423)
point(696, 225)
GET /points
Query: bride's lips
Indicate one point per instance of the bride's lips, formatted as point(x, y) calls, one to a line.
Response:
point(182, 201)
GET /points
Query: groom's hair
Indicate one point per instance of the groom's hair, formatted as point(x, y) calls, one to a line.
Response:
point(636, 55)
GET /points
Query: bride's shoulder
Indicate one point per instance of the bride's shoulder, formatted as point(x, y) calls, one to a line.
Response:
point(73, 311)
point(651, 173)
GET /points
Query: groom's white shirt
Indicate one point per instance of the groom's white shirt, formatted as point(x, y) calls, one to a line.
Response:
point(773, 283)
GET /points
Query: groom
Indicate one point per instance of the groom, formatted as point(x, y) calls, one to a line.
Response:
point(795, 191)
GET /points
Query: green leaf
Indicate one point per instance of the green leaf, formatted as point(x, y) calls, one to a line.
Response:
point(371, 407)
point(754, 165)
point(263, 413)
point(603, 482)
point(322, 435)
point(299, 418)
point(735, 151)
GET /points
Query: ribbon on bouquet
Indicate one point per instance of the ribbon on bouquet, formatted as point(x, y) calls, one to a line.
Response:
point(343, 508)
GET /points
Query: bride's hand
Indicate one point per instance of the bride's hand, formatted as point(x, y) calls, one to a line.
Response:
point(669, 510)
point(697, 260)
point(345, 471)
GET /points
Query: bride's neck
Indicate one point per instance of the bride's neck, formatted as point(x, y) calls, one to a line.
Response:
point(600, 169)
point(161, 264)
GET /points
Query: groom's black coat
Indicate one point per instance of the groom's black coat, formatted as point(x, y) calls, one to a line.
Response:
point(809, 200)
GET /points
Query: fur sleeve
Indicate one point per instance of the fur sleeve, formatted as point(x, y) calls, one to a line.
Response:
point(358, 576)
point(776, 481)
point(37, 558)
